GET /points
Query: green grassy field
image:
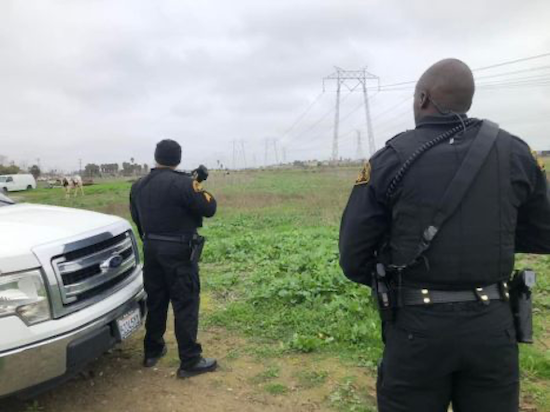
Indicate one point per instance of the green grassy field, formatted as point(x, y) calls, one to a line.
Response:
point(271, 270)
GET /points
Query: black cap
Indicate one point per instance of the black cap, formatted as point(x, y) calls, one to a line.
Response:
point(168, 153)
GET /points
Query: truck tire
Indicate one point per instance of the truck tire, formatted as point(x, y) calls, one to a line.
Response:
point(29, 187)
point(4, 190)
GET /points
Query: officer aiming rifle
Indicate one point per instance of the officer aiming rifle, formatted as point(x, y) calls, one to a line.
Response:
point(168, 208)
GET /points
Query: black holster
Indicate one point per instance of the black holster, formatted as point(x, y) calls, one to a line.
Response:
point(521, 301)
point(383, 294)
point(197, 245)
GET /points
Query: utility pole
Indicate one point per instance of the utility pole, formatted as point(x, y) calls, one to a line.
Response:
point(243, 153)
point(359, 146)
point(80, 167)
point(284, 154)
point(266, 151)
point(351, 79)
point(234, 154)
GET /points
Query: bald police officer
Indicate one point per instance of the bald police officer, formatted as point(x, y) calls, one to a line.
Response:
point(168, 207)
point(449, 336)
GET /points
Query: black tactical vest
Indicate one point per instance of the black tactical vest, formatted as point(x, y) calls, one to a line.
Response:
point(475, 247)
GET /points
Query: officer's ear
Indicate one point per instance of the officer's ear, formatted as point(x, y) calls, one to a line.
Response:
point(423, 99)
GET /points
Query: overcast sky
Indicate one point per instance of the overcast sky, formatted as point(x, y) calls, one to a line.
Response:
point(104, 80)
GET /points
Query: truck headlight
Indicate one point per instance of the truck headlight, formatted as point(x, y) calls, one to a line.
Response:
point(24, 294)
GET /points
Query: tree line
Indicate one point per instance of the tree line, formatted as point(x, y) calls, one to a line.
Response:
point(113, 169)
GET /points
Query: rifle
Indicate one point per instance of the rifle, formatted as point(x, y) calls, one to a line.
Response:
point(200, 174)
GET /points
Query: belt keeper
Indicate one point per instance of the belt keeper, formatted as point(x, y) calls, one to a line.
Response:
point(426, 296)
point(481, 296)
point(504, 291)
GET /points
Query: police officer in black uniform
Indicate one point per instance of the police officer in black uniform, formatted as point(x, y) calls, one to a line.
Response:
point(168, 206)
point(464, 350)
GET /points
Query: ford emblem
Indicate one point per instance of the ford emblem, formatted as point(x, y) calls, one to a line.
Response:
point(113, 262)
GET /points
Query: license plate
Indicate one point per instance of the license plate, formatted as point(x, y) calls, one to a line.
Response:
point(129, 323)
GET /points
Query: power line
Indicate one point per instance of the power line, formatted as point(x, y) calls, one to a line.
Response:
point(515, 80)
point(532, 69)
point(522, 85)
point(358, 107)
point(506, 63)
point(346, 137)
point(320, 120)
point(304, 113)
point(309, 141)
point(503, 82)
point(381, 114)
point(395, 116)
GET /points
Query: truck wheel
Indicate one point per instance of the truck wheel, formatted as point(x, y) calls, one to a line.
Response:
point(4, 190)
point(29, 187)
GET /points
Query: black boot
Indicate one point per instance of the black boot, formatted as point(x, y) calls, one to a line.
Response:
point(202, 366)
point(150, 362)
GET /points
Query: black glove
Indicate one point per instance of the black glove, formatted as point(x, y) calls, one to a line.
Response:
point(200, 173)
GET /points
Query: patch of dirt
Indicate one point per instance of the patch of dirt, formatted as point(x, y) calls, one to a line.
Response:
point(248, 379)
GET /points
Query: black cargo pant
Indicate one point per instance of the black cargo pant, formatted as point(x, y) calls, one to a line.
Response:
point(169, 276)
point(463, 353)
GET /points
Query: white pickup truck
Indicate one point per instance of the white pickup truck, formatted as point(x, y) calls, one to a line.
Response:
point(70, 288)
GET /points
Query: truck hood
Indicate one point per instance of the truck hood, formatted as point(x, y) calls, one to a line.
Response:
point(26, 226)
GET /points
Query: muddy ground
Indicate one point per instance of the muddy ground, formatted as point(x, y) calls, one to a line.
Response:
point(251, 377)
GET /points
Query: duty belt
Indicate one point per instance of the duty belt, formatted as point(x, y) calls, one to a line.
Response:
point(172, 238)
point(412, 297)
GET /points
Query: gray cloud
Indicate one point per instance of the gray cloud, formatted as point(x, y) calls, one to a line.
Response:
point(104, 80)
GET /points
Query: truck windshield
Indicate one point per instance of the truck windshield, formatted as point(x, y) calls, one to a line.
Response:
point(3, 178)
point(4, 200)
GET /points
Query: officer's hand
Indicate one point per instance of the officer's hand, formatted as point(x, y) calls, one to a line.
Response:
point(200, 173)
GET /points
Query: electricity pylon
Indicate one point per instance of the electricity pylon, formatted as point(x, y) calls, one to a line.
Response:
point(352, 79)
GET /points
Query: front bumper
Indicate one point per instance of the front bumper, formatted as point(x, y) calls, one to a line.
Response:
point(32, 369)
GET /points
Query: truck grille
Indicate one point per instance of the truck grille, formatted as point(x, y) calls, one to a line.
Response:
point(87, 272)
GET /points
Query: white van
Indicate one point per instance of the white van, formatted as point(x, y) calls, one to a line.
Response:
point(13, 183)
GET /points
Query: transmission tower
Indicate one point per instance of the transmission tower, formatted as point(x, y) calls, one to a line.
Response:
point(243, 153)
point(276, 151)
point(351, 79)
point(234, 155)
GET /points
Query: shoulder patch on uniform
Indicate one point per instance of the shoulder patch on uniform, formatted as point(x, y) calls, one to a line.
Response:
point(364, 175)
point(539, 161)
point(197, 187)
